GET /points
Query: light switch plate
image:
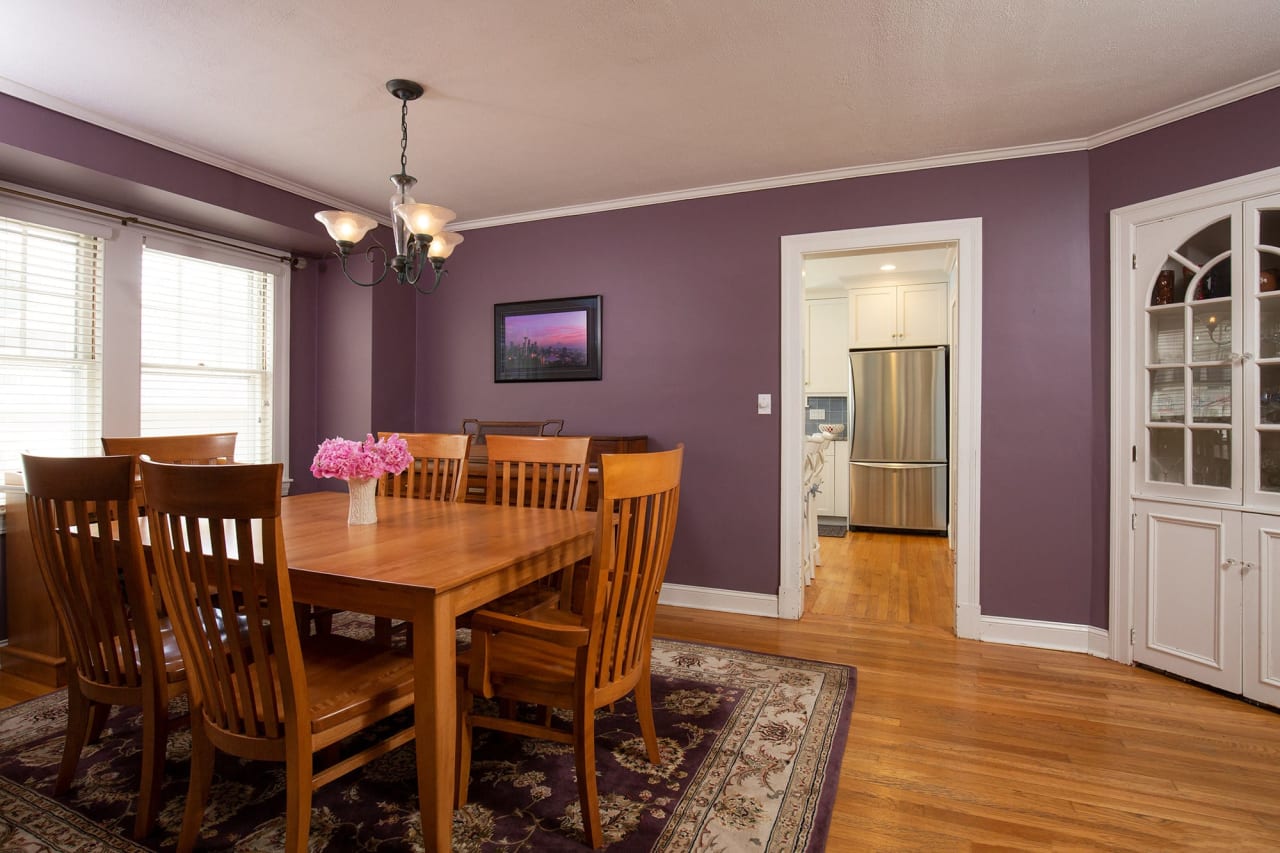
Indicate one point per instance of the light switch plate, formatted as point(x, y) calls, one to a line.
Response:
point(764, 404)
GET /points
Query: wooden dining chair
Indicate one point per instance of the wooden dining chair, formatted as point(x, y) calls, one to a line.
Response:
point(121, 650)
point(438, 473)
point(537, 471)
point(204, 448)
point(278, 696)
point(584, 661)
point(439, 469)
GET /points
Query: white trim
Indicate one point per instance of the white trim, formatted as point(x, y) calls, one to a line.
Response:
point(967, 352)
point(1055, 636)
point(1176, 113)
point(720, 600)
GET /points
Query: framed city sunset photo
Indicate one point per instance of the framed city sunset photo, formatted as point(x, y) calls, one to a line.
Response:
point(547, 340)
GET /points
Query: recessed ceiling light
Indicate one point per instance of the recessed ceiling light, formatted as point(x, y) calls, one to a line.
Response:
point(888, 267)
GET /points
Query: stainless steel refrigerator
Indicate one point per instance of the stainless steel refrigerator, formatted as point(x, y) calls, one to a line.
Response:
point(898, 433)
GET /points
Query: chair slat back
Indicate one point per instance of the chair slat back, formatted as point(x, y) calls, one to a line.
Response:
point(537, 471)
point(98, 585)
point(438, 471)
point(218, 544)
point(636, 521)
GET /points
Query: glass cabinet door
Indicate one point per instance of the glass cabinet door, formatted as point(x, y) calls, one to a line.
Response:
point(1188, 286)
point(1262, 365)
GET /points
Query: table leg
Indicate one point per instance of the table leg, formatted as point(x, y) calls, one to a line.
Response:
point(435, 718)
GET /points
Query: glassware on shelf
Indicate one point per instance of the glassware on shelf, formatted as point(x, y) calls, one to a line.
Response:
point(1168, 396)
point(1211, 457)
point(1167, 455)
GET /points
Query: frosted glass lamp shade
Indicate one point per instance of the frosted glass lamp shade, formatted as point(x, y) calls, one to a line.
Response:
point(346, 227)
point(425, 218)
point(442, 245)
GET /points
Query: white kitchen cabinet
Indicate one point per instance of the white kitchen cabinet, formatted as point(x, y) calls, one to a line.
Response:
point(840, 478)
point(1203, 418)
point(833, 500)
point(826, 502)
point(903, 315)
point(827, 347)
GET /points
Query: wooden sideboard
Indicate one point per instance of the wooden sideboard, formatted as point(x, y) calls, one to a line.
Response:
point(479, 461)
point(36, 650)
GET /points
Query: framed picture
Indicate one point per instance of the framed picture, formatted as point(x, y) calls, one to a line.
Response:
point(547, 340)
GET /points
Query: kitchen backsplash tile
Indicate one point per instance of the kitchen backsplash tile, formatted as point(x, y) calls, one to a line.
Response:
point(826, 410)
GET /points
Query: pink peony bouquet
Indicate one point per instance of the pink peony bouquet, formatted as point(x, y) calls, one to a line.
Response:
point(351, 460)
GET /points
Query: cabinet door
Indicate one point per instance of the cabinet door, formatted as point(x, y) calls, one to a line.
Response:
point(826, 498)
point(1188, 296)
point(873, 317)
point(841, 479)
point(922, 314)
point(1187, 592)
point(1260, 398)
point(1260, 567)
point(828, 347)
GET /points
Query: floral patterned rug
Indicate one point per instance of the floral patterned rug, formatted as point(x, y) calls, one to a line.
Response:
point(751, 749)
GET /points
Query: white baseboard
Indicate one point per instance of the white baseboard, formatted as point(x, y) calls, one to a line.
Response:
point(1059, 636)
point(968, 622)
point(722, 600)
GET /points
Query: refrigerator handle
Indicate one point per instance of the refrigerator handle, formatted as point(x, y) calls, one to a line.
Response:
point(853, 408)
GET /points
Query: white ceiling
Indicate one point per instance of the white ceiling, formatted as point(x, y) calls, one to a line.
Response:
point(920, 263)
point(536, 106)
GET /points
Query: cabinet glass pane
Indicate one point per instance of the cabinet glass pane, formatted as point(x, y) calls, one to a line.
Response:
point(1211, 457)
point(1168, 396)
point(1269, 461)
point(1211, 332)
point(1215, 281)
point(1166, 454)
point(1167, 335)
point(1269, 231)
point(1269, 394)
point(1211, 395)
point(1269, 327)
point(1208, 242)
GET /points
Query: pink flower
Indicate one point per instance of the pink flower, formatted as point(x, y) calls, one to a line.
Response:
point(348, 460)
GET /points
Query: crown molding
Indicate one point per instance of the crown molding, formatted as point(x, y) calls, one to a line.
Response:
point(26, 93)
point(1247, 89)
point(1190, 108)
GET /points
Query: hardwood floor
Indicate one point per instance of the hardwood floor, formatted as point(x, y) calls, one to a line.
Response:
point(959, 745)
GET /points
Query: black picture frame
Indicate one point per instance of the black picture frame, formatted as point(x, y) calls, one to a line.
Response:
point(547, 340)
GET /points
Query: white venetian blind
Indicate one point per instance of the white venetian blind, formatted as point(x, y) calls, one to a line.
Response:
point(50, 342)
point(207, 350)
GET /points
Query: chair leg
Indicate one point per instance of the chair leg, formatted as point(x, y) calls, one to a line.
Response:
point(584, 753)
point(644, 710)
point(297, 825)
point(79, 712)
point(98, 714)
point(201, 781)
point(155, 730)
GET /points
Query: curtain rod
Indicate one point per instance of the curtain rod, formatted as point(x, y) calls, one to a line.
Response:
point(127, 220)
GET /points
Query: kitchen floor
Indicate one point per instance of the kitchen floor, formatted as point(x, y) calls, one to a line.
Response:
point(906, 579)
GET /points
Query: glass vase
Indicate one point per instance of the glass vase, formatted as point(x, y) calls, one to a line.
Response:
point(361, 508)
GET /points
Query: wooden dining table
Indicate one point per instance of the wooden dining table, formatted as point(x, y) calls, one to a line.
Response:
point(426, 562)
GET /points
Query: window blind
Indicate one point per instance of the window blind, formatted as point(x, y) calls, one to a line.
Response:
point(51, 284)
point(207, 331)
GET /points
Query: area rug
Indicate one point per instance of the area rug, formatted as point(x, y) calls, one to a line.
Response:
point(751, 749)
point(834, 531)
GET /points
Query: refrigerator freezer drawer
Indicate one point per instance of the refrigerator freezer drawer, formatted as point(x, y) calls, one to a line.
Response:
point(898, 495)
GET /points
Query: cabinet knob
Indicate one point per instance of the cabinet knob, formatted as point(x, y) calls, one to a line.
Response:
point(1228, 564)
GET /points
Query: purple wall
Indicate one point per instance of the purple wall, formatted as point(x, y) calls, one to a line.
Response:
point(691, 318)
point(690, 334)
point(1230, 141)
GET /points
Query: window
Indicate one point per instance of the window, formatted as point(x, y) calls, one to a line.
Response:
point(131, 330)
point(207, 351)
point(51, 284)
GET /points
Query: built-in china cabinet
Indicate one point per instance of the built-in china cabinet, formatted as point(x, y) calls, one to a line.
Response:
point(1197, 348)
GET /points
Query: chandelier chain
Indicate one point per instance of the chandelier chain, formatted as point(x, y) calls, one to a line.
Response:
point(404, 135)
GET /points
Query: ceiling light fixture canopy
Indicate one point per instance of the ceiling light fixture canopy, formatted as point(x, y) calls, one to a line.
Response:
point(420, 238)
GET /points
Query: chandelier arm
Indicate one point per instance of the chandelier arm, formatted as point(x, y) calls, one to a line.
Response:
point(369, 255)
point(439, 273)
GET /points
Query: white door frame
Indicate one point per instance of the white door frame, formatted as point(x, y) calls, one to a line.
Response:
point(966, 349)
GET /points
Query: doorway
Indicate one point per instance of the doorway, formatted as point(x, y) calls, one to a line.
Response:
point(965, 335)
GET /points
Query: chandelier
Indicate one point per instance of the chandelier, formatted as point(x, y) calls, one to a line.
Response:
point(420, 238)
